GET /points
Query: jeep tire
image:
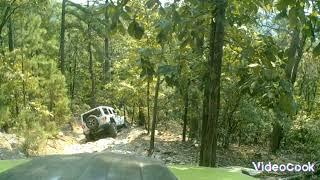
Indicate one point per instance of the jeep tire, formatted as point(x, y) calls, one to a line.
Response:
point(89, 137)
point(112, 130)
point(126, 124)
point(92, 122)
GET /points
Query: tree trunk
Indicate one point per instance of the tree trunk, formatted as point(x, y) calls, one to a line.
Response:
point(91, 66)
point(3, 22)
point(141, 116)
point(133, 108)
point(51, 101)
point(295, 53)
point(194, 120)
point(124, 112)
point(228, 118)
point(209, 128)
point(106, 64)
point(92, 77)
point(11, 48)
point(276, 136)
point(10, 34)
point(239, 137)
point(62, 36)
point(16, 99)
point(73, 83)
point(74, 78)
point(148, 105)
point(226, 142)
point(23, 84)
point(154, 116)
point(185, 115)
point(204, 122)
point(25, 78)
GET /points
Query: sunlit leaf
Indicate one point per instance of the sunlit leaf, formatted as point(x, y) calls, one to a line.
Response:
point(253, 65)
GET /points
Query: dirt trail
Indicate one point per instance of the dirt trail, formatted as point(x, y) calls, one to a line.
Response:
point(133, 140)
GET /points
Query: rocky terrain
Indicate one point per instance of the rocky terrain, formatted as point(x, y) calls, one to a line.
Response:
point(10, 146)
point(133, 140)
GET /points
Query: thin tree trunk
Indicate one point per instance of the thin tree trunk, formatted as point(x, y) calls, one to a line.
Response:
point(154, 116)
point(228, 134)
point(16, 103)
point(132, 120)
point(106, 64)
point(3, 22)
point(74, 78)
point(239, 137)
point(294, 55)
point(23, 84)
point(51, 100)
point(62, 36)
point(204, 122)
point(124, 112)
point(147, 16)
point(185, 115)
point(73, 74)
point(25, 78)
point(209, 139)
point(10, 35)
point(148, 105)
point(194, 120)
point(92, 76)
point(70, 76)
point(91, 66)
point(276, 136)
point(228, 117)
point(11, 48)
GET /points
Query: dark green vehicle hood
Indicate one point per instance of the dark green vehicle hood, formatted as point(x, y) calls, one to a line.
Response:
point(107, 166)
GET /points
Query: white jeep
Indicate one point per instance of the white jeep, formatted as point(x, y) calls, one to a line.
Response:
point(102, 120)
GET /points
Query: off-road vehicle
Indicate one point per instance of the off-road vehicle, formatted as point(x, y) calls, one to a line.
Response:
point(102, 120)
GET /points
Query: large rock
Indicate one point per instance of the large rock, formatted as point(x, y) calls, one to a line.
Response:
point(10, 146)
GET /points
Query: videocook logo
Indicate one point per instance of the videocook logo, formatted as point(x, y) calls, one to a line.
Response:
point(268, 167)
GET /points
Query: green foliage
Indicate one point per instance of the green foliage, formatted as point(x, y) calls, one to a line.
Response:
point(35, 139)
point(316, 50)
point(35, 102)
point(304, 136)
point(44, 91)
point(147, 38)
point(135, 30)
point(204, 173)
point(33, 94)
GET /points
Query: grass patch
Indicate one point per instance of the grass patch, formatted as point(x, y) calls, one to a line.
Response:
point(205, 173)
point(7, 164)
